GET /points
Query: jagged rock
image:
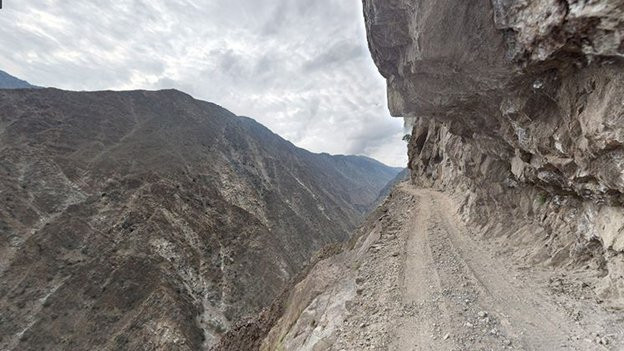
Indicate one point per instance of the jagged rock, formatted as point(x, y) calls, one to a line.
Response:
point(518, 106)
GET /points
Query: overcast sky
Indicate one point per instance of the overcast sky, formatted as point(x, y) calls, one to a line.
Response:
point(300, 67)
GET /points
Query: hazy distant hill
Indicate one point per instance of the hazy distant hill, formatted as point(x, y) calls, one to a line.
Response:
point(404, 174)
point(151, 220)
point(7, 81)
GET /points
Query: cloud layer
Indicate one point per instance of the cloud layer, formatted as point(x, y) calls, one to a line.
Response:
point(300, 67)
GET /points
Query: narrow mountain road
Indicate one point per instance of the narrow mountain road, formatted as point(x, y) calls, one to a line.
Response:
point(468, 300)
point(427, 284)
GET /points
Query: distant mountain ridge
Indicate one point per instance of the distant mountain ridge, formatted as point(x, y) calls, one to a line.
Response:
point(151, 220)
point(7, 81)
point(403, 175)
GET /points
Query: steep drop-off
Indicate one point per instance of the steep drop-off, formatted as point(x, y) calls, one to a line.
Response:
point(510, 233)
point(415, 278)
point(153, 221)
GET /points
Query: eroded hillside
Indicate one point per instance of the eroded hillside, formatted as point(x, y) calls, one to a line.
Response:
point(153, 221)
point(510, 234)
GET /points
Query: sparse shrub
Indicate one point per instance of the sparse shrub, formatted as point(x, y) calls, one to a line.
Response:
point(541, 199)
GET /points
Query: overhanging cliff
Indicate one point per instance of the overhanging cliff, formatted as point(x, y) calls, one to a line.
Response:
point(517, 106)
point(517, 124)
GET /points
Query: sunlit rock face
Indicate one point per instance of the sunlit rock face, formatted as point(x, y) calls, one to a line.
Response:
point(519, 107)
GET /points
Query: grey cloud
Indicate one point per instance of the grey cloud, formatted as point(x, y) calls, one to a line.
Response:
point(300, 67)
point(278, 19)
point(339, 52)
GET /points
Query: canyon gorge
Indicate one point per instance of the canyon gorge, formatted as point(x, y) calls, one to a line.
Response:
point(150, 220)
point(510, 232)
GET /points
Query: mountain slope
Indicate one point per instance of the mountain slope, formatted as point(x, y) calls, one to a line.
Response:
point(152, 220)
point(511, 235)
point(7, 81)
point(415, 278)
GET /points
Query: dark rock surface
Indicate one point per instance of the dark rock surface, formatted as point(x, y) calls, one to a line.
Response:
point(517, 106)
point(153, 221)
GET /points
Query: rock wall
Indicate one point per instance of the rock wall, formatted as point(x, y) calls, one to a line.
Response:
point(517, 108)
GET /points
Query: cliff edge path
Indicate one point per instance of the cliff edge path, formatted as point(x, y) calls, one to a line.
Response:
point(465, 297)
point(418, 279)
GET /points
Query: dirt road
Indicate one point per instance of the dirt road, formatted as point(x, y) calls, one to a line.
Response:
point(418, 279)
point(469, 300)
point(452, 293)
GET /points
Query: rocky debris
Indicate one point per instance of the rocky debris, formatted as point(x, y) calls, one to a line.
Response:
point(516, 108)
point(151, 220)
point(362, 284)
point(444, 291)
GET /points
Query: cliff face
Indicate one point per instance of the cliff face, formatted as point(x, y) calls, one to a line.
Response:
point(150, 220)
point(516, 106)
